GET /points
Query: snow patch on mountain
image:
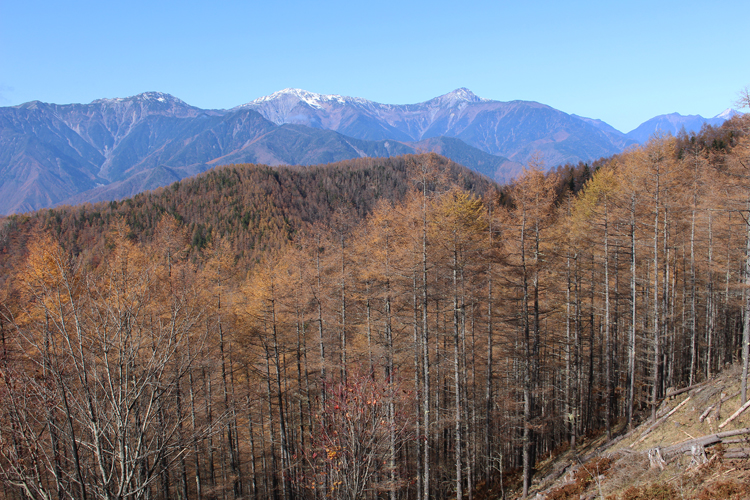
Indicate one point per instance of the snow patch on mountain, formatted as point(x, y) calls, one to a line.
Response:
point(312, 99)
point(458, 97)
point(141, 98)
point(728, 114)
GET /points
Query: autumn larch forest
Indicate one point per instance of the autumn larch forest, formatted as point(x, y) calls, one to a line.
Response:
point(372, 329)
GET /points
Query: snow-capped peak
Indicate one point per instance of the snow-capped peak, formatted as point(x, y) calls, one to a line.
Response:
point(727, 114)
point(312, 99)
point(465, 94)
point(143, 97)
point(459, 96)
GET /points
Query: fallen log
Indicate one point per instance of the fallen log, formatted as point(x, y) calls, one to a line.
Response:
point(685, 389)
point(737, 453)
point(704, 441)
point(736, 414)
point(660, 421)
point(720, 402)
point(735, 441)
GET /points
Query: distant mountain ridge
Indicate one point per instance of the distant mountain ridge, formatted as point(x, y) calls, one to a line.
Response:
point(113, 148)
point(673, 123)
point(514, 130)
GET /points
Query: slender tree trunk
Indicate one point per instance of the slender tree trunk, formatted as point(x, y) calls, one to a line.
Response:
point(343, 311)
point(527, 403)
point(656, 318)
point(236, 486)
point(425, 354)
point(456, 381)
point(693, 312)
point(283, 440)
point(196, 453)
point(746, 329)
point(417, 382)
point(489, 428)
point(633, 317)
point(251, 434)
point(318, 300)
point(710, 308)
point(607, 340)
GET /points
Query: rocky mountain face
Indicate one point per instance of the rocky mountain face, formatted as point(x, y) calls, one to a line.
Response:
point(514, 130)
point(50, 152)
point(113, 148)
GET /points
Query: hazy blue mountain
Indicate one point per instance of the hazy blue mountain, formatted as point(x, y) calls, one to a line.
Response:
point(111, 148)
point(299, 145)
point(673, 123)
point(514, 130)
point(50, 152)
point(618, 138)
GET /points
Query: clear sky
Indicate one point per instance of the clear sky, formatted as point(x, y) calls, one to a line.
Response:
point(621, 61)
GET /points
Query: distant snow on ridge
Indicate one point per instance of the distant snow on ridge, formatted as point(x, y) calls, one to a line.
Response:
point(507, 129)
point(316, 100)
point(459, 95)
point(728, 114)
point(310, 98)
point(114, 144)
point(145, 96)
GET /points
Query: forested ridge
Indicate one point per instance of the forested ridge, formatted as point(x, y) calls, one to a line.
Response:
point(430, 336)
point(253, 208)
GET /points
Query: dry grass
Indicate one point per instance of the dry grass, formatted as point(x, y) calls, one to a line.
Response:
point(685, 424)
point(628, 475)
point(652, 491)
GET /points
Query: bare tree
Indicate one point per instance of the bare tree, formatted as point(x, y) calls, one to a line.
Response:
point(104, 357)
point(356, 429)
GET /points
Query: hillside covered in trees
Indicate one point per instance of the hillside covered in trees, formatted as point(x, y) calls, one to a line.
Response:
point(372, 329)
point(252, 208)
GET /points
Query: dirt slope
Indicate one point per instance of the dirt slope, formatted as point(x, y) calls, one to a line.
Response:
point(691, 451)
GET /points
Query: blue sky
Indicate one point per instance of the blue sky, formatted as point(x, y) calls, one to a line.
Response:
point(622, 62)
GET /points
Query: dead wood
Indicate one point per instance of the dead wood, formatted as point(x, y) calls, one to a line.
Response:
point(721, 401)
point(705, 441)
point(737, 453)
point(736, 414)
point(686, 389)
point(660, 421)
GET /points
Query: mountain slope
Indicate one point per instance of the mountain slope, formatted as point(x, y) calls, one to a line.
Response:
point(673, 123)
point(114, 148)
point(49, 152)
point(688, 452)
point(254, 207)
point(515, 130)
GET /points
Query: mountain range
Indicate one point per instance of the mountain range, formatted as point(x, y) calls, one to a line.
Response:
point(113, 148)
point(673, 123)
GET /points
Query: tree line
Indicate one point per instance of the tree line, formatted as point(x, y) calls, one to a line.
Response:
point(436, 345)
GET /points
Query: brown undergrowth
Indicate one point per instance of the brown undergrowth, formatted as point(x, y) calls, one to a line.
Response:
point(640, 465)
point(592, 472)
